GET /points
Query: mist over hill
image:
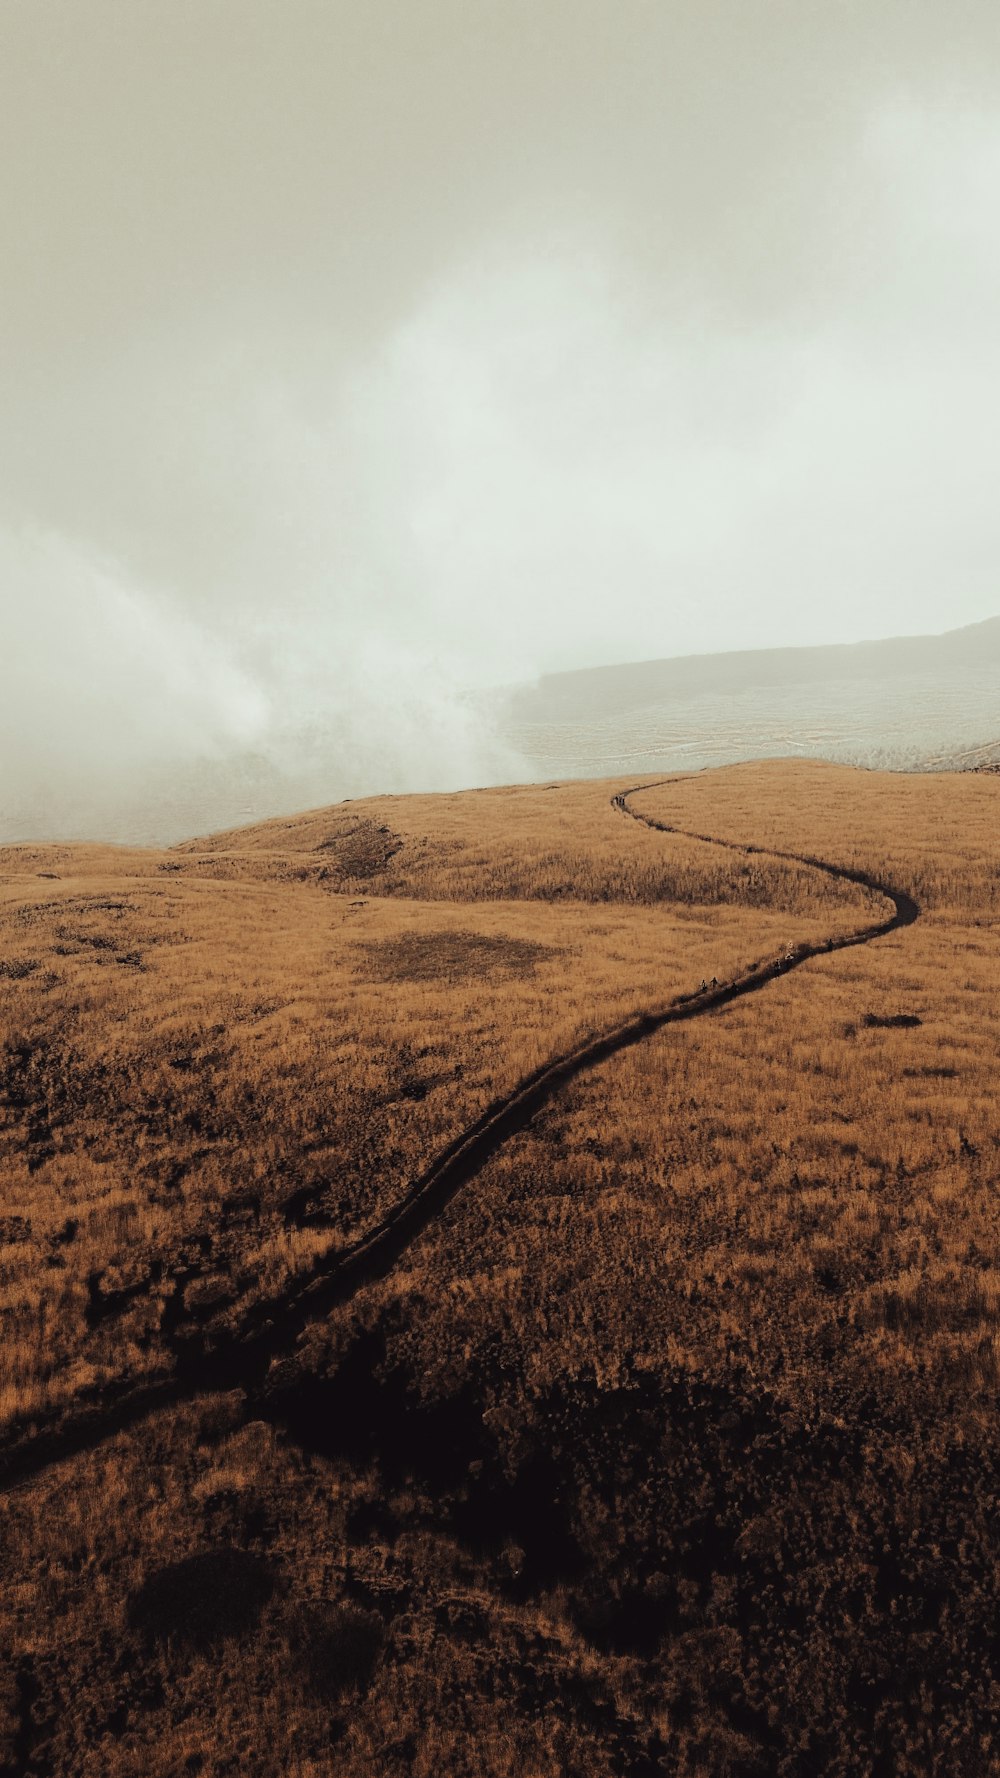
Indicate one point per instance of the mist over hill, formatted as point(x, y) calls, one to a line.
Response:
point(905, 702)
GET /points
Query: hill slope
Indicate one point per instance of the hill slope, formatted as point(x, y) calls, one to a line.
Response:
point(665, 1443)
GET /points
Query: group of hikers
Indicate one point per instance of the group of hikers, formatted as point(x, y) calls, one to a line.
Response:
point(783, 963)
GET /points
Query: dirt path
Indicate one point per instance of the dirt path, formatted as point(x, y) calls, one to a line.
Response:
point(204, 1364)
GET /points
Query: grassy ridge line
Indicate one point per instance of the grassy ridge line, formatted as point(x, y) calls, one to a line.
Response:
point(241, 1360)
point(907, 910)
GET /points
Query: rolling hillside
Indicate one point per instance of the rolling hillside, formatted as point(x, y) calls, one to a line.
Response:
point(507, 1283)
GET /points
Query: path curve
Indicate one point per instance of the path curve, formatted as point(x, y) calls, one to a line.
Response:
point(271, 1327)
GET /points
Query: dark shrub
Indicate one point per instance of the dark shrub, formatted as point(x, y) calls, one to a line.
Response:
point(203, 1599)
point(339, 1645)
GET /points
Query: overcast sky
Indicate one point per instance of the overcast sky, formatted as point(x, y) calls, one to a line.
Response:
point(360, 352)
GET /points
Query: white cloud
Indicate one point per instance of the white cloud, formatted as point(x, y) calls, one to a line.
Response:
point(100, 677)
point(364, 368)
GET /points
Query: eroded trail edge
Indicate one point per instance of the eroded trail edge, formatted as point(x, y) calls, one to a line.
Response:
point(206, 1362)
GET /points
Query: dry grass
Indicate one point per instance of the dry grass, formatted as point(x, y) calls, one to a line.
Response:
point(935, 835)
point(550, 843)
point(671, 1446)
point(211, 1080)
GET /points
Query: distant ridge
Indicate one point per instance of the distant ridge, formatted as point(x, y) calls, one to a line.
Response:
point(632, 684)
point(905, 702)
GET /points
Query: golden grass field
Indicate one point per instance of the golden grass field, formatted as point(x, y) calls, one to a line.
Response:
point(668, 1446)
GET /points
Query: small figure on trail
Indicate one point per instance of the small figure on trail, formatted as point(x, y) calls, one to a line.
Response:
point(704, 986)
point(715, 981)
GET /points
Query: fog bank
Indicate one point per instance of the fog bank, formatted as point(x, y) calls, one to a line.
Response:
point(358, 360)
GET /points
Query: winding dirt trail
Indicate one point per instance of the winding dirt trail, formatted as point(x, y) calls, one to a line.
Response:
point(272, 1326)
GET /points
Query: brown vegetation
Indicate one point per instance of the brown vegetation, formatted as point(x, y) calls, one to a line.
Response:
point(669, 1446)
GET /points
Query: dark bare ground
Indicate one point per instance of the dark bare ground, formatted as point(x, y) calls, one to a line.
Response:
point(452, 956)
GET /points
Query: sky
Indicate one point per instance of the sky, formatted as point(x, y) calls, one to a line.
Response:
point(358, 358)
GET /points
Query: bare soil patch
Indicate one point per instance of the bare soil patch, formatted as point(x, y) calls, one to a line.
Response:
point(453, 956)
point(362, 850)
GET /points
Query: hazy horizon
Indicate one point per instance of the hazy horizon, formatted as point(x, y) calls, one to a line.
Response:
point(901, 703)
point(360, 361)
point(789, 648)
